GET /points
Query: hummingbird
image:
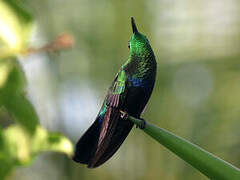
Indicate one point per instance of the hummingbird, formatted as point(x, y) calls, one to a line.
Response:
point(128, 95)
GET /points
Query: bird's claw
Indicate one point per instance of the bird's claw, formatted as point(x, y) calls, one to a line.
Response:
point(124, 115)
point(142, 125)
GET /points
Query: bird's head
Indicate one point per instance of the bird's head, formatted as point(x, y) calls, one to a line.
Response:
point(138, 43)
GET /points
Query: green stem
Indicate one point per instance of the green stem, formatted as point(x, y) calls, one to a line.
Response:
point(207, 163)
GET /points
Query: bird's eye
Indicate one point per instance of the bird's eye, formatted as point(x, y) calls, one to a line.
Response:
point(129, 45)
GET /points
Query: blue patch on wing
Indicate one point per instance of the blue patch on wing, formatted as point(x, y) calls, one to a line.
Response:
point(102, 114)
point(140, 82)
point(100, 119)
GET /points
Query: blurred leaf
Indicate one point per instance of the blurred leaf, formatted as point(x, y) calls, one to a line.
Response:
point(15, 28)
point(1, 139)
point(59, 143)
point(6, 166)
point(6, 163)
point(18, 143)
point(12, 94)
point(5, 69)
point(51, 141)
point(22, 147)
point(23, 111)
point(13, 79)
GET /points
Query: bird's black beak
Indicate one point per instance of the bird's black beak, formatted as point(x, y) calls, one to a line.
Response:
point(134, 27)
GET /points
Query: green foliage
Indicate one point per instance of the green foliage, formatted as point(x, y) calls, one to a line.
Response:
point(15, 29)
point(22, 141)
point(210, 165)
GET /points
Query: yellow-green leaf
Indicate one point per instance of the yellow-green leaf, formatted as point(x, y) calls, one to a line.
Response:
point(51, 141)
point(22, 147)
point(5, 69)
point(18, 143)
point(15, 28)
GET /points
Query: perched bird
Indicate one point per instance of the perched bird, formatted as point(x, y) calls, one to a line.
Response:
point(128, 95)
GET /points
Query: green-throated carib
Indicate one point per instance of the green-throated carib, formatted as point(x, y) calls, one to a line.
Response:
point(129, 93)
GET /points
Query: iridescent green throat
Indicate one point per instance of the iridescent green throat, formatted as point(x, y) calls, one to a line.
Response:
point(141, 62)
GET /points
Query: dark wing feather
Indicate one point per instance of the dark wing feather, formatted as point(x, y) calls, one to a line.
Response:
point(114, 129)
point(103, 139)
point(123, 128)
point(87, 144)
point(117, 131)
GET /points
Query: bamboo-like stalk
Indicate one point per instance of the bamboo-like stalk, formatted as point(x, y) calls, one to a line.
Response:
point(207, 163)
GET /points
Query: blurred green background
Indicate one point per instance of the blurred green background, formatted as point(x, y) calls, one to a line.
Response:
point(197, 91)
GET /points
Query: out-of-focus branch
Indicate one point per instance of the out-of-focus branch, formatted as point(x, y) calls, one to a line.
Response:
point(61, 42)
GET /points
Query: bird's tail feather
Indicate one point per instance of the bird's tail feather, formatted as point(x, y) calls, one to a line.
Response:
point(117, 132)
point(86, 146)
point(94, 148)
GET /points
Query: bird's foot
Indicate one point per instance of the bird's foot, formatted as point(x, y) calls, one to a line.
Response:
point(142, 125)
point(124, 115)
